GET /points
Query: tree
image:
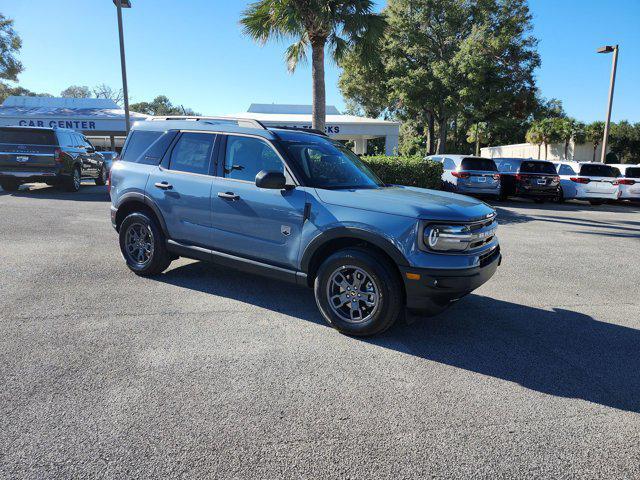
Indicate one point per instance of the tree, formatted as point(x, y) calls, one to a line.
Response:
point(7, 91)
point(76, 91)
point(342, 25)
point(534, 135)
point(478, 134)
point(10, 45)
point(448, 64)
point(594, 132)
point(624, 140)
point(160, 106)
point(105, 91)
point(550, 130)
point(568, 129)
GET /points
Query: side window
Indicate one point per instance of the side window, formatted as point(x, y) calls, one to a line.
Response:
point(65, 139)
point(137, 142)
point(86, 142)
point(449, 164)
point(192, 153)
point(566, 170)
point(246, 156)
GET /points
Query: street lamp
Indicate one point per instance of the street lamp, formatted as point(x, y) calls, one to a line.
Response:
point(120, 4)
point(609, 49)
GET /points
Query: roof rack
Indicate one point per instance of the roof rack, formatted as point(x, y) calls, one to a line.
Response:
point(302, 129)
point(241, 122)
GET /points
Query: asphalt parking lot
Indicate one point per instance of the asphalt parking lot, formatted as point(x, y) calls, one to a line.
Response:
point(209, 373)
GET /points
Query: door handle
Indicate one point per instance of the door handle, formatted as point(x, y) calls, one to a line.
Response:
point(228, 196)
point(164, 185)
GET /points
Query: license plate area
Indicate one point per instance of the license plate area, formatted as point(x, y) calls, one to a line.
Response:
point(22, 158)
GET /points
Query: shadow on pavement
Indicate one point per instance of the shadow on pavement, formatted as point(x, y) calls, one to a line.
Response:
point(88, 193)
point(557, 352)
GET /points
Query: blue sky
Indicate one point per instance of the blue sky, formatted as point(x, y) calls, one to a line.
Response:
point(194, 52)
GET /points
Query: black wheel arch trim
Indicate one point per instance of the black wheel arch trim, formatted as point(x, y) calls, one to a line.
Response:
point(351, 232)
point(138, 197)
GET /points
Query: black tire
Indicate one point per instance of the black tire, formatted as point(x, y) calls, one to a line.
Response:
point(560, 197)
point(596, 202)
point(101, 180)
point(503, 197)
point(539, 200)
point(9, 185)
point(158, 259)
point(72, 183)
point(382, 279)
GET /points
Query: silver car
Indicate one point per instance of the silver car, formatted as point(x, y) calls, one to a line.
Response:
point(469, 175)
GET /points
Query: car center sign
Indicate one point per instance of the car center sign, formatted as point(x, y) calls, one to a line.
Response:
point(59, 123)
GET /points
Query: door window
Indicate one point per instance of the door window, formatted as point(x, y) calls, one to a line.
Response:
point(192, 153)
point(449, 164)
point(566, 170)
point(246, 156)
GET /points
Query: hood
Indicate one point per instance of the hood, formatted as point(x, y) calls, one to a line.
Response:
point(410, 202)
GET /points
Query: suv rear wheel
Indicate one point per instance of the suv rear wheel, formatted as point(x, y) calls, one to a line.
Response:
point(102, 177)
point(9, 185)
point(358, 292)
point(72, 184)
point(143, 245)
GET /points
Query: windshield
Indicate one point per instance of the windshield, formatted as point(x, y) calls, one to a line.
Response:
point(538, 167)
point(328, 164)
point(591, 170)
point(478, 163)
point(27, 137)
point(632, 172)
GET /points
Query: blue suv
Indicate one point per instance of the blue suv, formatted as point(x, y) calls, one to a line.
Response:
point(295, 205)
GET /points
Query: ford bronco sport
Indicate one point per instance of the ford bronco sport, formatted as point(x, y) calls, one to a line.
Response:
point(295, 205)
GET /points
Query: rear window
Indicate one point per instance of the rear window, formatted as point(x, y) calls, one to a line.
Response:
point(597, 171)
point(27, 137)
point(477, 163)
point(632, 172)
point(538, 167)
point(137, 143)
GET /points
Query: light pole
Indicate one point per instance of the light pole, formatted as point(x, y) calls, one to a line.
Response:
point(609, 49)
point(120, 4)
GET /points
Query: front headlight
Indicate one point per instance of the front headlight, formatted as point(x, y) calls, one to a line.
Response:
point(458, 238)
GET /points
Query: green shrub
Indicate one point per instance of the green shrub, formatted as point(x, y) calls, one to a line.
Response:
point(411, 171)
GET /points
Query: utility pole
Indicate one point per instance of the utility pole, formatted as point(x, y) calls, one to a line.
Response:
point(614, 66)
point(120, 4)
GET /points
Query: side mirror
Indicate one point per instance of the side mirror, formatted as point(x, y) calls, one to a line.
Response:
point(271, 179)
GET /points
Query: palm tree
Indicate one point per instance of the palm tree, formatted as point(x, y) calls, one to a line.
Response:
point(594, 133)
point(342, 25)
point(534, 135)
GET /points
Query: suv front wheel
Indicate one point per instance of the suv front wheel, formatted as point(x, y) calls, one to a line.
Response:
point(358, 292)
point(143, 245)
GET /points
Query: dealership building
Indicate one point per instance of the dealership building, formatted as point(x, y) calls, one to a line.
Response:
point(100, 119)
point(103, 121)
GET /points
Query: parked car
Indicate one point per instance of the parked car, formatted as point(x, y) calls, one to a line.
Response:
point(56, 156)
point(469, 175)
point(592, 181)
point(298, 206)
point(109, 157)
point(521, 177)
point(628, 181)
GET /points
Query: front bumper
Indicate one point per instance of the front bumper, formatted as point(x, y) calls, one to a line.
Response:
point(426, 287)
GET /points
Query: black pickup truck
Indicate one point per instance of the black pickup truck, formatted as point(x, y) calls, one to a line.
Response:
point(56, 156)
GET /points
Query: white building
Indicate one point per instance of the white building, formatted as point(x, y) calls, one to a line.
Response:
point(103, 120)
point(338, 126)
point(100, 119)
point(582, 152)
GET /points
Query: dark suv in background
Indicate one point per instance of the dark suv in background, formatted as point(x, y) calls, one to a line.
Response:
point(56, 156)
point(520, 177)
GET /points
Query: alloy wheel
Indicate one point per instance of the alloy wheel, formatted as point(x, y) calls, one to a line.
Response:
point(139, 244)
point(352, 294)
